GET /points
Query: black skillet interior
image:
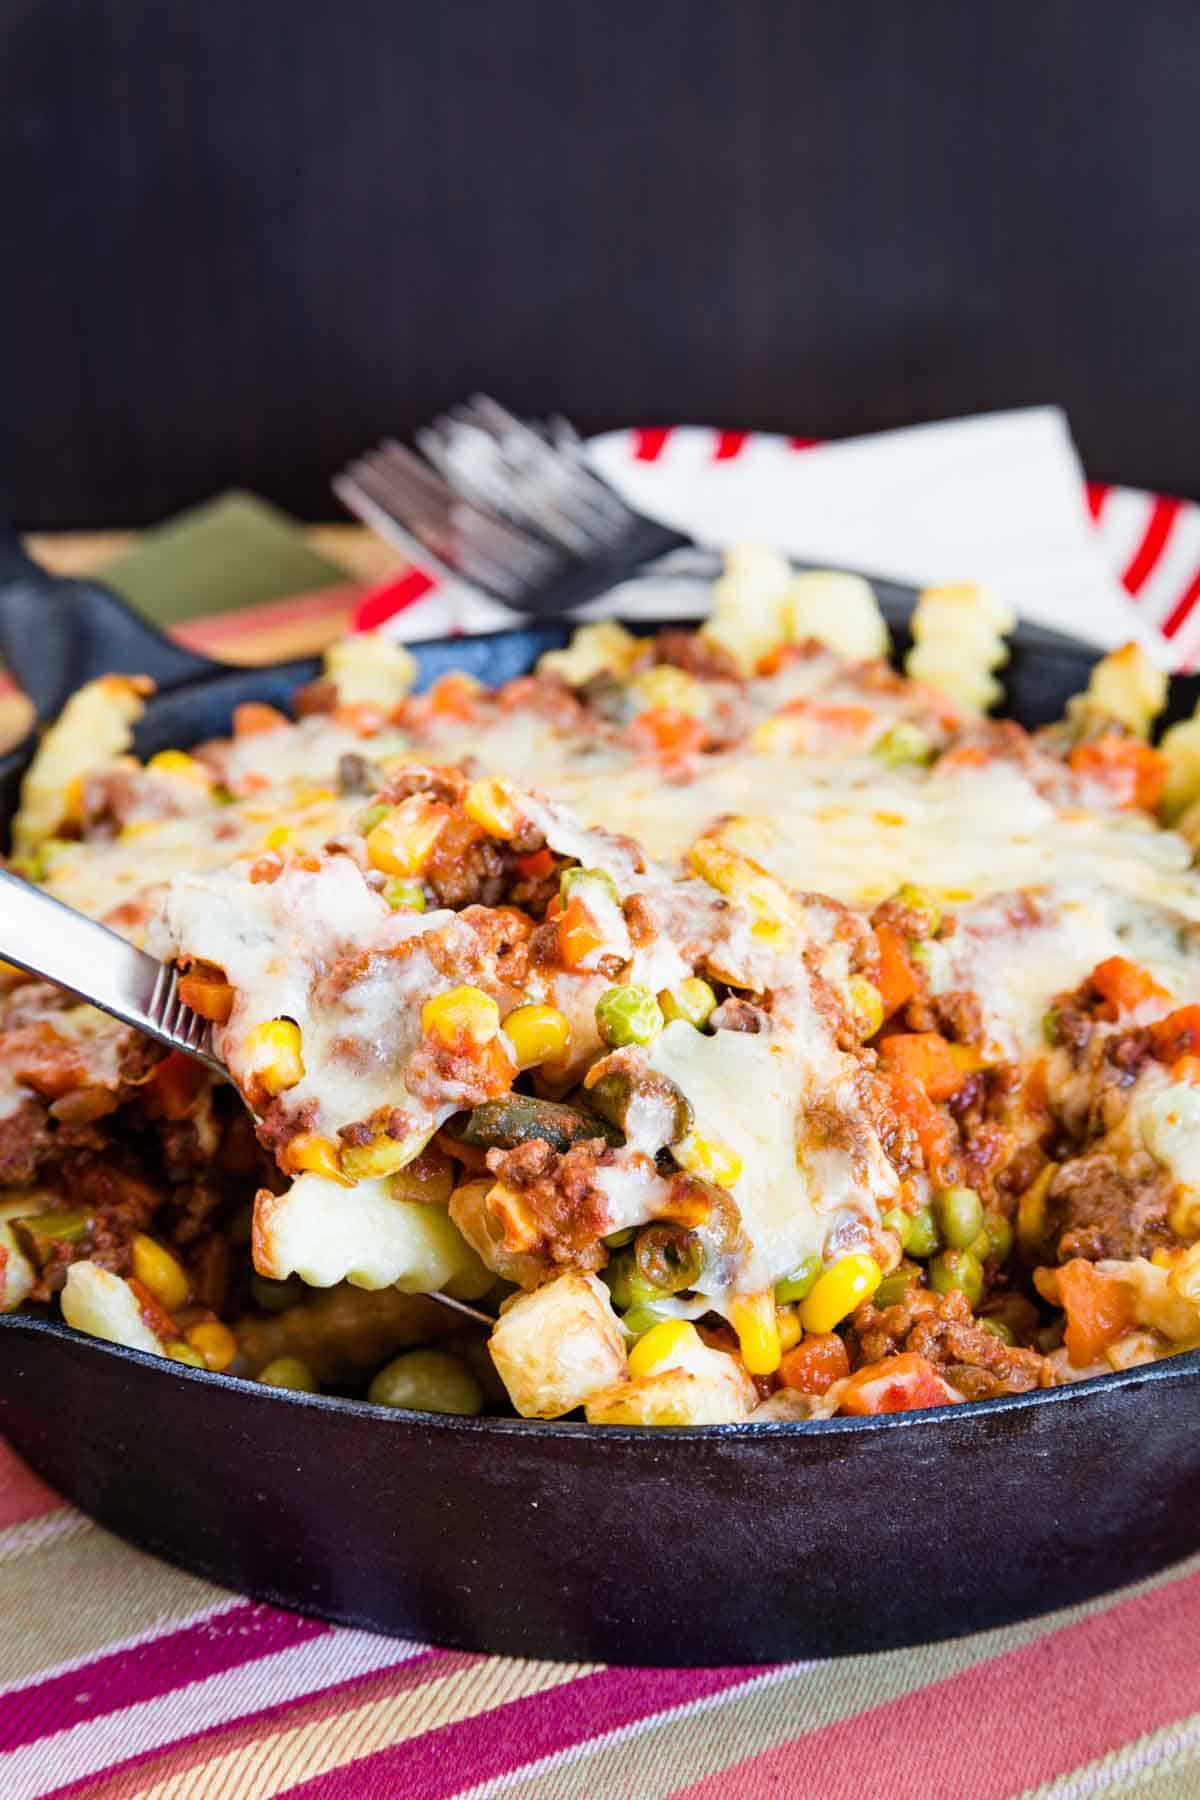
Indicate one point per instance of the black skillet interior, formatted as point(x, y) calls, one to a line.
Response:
point(729, 1544)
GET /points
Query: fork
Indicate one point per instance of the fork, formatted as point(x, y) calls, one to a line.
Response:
point(53, 941)
point(511, 507)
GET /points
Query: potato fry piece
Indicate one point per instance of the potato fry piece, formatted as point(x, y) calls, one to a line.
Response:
point(559, 1345)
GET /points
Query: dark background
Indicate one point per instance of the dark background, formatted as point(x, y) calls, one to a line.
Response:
point(244, 239)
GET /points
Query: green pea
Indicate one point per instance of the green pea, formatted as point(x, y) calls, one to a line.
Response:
point(1050, 1029)
point(922, 1237)
point(998, 1329)
point(897, 1220)
point(572, 877)
point(959, 1215)
point(692, 1001)
point(1000, 1234)
point(981, 1246)
point(276, 1296)
point(626, 1282)
point(183, 1353)
point(802, 1278)
point(957, 1269)
point(865, 1005)
point(408, 894)
point(289, 1372)
point(427, 1381)
point(903, 743)
point(628, 1015)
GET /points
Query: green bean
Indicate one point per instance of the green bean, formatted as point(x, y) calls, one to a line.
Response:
point(427, 1381)
point(957, 1269)
point(289, 1372)
point(503, 1124)
point(998, 1329)
point(43, 1230)
point(801, 1280)
point(959, 1215)
point(1000, 1234)
point(409, 894)
point(669, 1258)
point(628, 1015)
point(894, 1289)
point(662, 1109)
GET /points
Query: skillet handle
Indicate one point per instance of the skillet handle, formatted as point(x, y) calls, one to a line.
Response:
point(57, 633)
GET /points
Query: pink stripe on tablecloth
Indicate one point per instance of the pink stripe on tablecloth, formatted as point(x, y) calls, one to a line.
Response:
point(391, 597)
point(211, 1646)
point(1163, 515)
point(22, 1495)
point(1006, 1724)
point(1182, 609)
point(1097, 493)
point(491, 1744)
point(729, 444)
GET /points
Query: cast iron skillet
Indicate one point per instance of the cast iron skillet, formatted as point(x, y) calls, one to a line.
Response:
point(723, 1544)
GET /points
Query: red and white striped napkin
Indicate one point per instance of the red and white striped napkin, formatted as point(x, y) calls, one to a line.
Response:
point(999, 498)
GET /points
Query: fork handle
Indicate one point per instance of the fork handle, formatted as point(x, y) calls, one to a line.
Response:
point(46, 938)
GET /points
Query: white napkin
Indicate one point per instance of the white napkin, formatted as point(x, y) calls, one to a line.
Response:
point(998, 498)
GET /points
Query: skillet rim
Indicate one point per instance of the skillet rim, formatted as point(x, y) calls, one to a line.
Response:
point(897, 599)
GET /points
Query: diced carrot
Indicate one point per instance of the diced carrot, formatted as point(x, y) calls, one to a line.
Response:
point(903, 1383)
point(1177, 1035)
point(360, 717)
point(537, 866)
point(252, 718)
point(1186, 1069)
point(912, 1104)
point(1132, 772)
point(1099, 1310)
point(577, 934)
point(817, 1361)
point(969, 756)
point(669, 735)
point(266, 868)
point(173, 1087)
point(927, 1058)
point(1124, 985)
point(207, 992)
point(897, 977)
point(453, 696)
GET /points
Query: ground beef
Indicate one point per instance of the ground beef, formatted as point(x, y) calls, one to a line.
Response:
point(319, 696)
point(464, 869)
point(559, 1202)
point(26, 1139)
point(1098, 1209)
point(696, 655)
point(439, 782)
point(958, 1015)
point(941, 1328)
point(355, 775)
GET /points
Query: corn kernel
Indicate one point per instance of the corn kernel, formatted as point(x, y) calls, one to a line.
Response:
point(215, 1342)
point(1184, 1278)
point(693, 1001)
point(675, 689)
point(461, 1013)
point(753, 1318)
point(492, 805)
point(402, 843)
point(273, 1051)
point(742, 879)
point(178, 762)
point(278, 837)
point(159, 1272)
point(180, 1352)
point(1031, 1211)
point(709, 1158)
point(537, 1034)
point(668, 1339)
point(314, 1155)
point(843, 1286)
point(864, 1003)
point(1184, 1216)
point(382, 1156)
point(787, 1319)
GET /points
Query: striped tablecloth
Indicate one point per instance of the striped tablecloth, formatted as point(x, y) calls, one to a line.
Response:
point(123, 1679)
